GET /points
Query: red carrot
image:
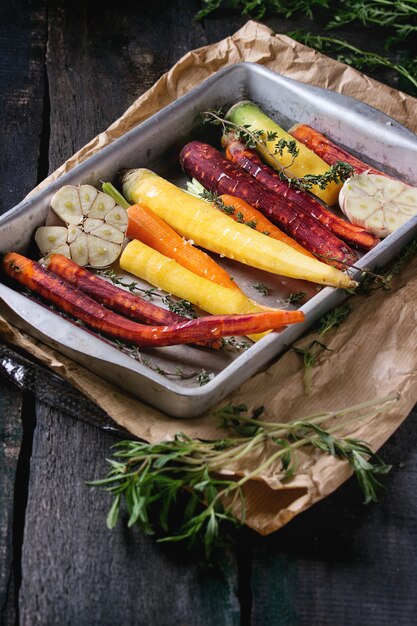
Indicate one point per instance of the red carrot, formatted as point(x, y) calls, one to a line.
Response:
point(70, 300)
point(219, 175)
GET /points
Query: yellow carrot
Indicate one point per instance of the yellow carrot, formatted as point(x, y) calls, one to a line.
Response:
point(209, 228)
point(165, 273)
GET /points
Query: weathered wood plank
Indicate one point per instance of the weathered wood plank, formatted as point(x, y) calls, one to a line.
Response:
point(99, 62)
point(22, 49)
point(10, 441)
point(343, 563)
point(76, 572)
point(22, 53)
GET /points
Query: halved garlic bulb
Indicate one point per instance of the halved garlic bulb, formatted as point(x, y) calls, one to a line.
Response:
point(378, 203)
point(95, 231)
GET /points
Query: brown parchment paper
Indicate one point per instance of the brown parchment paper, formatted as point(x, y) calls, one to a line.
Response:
point(374, 352)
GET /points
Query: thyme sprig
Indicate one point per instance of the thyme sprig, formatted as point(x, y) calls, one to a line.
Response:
point(226, 208)
point(310, 354)
point(262, 289)
point(150, 478)
point(314, 349)
point(338, 172)
point(201, 376)
point(181, 307)
point(295, 297)
point(258, 8)
point(384, 279)
point(351, 55)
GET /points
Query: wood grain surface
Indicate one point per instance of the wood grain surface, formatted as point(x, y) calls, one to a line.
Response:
point(67, 70)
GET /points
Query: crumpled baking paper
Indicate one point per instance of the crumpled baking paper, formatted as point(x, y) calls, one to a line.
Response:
point(371, 355)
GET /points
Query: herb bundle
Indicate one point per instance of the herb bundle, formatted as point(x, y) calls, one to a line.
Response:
point(150, 478)
point(393, 21)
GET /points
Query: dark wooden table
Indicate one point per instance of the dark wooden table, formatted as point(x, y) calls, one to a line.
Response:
point(67, 70)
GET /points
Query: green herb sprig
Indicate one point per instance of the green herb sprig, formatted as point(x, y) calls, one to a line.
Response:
point(262, 289)
point(351, 55)
point(258, 8)
point(150, 478)
point(338, 172)
point(394, 21)
point(315, 348)
point(181, 307)
point(226, 208)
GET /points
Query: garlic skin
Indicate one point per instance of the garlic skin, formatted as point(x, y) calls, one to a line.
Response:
point(95, 230)
point(378, 203)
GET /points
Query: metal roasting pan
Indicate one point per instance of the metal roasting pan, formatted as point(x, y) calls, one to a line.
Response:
point(155, 144)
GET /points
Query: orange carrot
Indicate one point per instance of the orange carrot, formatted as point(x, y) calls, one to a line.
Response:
point(245, 213)
point(146, 226)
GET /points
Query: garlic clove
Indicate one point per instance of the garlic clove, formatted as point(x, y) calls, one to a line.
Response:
point(109, 233)
point(91, 224)
point(66, 204)
point(101, 253)
point(101, 206)
point(117, 217)
point(64, 250)
point(88, 194)
point(73, 232)
point(50, 237)
point(79, 249)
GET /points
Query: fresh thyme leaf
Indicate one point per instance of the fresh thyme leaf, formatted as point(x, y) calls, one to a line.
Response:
point(181, 307)
point(291, 146)
point(258, 8)
point(334, 318)
point(263, 289)
point(132, 286)
point(405, 255)
point(396, 14)
point(203, 378)
point(310, 356)
point(295, 297)
point(238, 344)
point(370, 281)
point(339, 172)
point(360, 59)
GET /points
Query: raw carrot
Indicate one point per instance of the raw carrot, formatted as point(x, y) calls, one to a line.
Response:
point(82, 307)
point(166, 274)
point(246, 213)
point(147, 227)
